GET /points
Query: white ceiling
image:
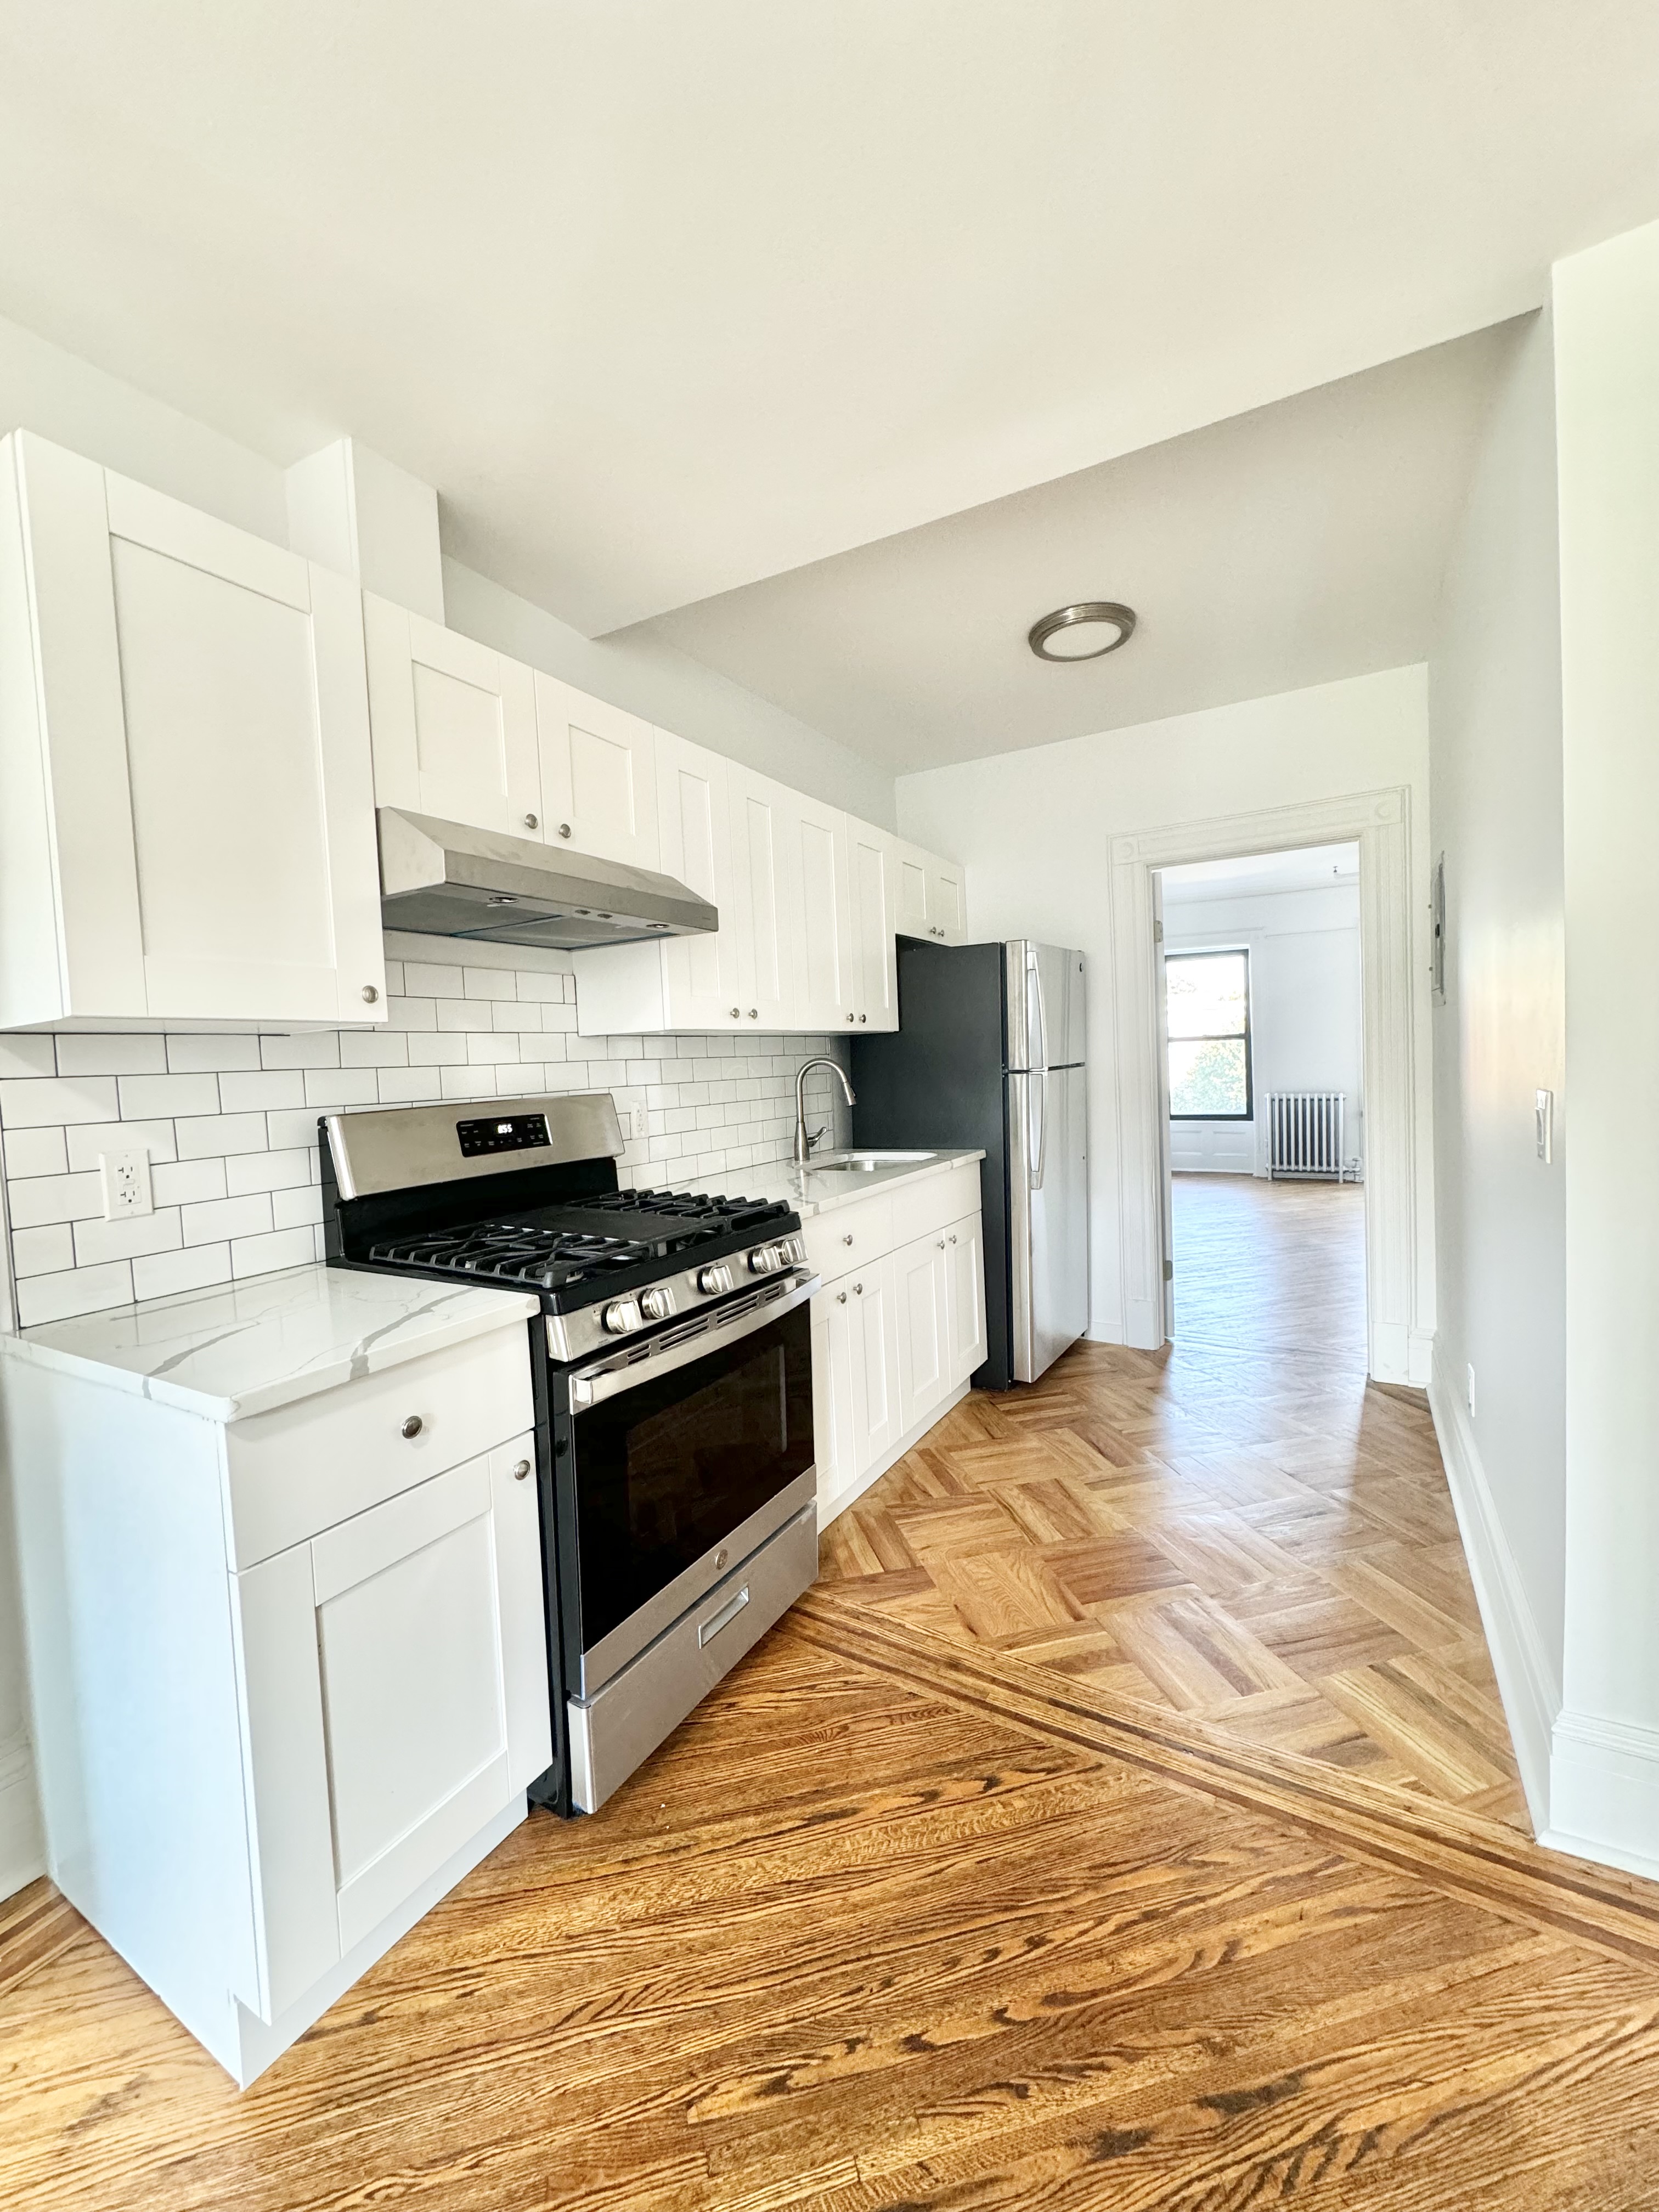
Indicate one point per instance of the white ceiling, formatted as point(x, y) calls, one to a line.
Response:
point(1310, 868)
point(1292, 546)
point(667, 299)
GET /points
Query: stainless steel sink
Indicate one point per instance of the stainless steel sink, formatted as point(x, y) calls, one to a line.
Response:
point(864, 1162)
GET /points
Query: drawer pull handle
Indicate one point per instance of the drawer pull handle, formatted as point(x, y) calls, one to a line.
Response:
point(521, 1470)
point(710, 1629)
point(412, 1426)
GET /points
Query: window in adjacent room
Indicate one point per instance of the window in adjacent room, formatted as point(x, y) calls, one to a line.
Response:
point(1209, 999)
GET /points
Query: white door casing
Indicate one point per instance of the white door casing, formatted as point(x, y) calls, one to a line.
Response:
point(1399, 1298)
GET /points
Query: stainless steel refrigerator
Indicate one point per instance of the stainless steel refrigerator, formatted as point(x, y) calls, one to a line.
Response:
point(989, 1052)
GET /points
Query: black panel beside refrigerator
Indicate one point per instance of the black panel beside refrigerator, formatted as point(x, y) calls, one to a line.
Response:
point(988, 1053)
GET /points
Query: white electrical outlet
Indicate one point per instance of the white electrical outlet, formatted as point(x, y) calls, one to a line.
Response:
point(1469, 1389)
point(631, 1115)
point(126, 1184)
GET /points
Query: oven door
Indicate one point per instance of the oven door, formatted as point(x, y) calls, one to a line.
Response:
point(684, 1457)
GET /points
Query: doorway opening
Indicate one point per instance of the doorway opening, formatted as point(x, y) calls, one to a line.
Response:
point(1263, 1105)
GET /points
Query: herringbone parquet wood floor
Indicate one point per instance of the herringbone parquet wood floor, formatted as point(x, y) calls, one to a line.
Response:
point(1238, 1529)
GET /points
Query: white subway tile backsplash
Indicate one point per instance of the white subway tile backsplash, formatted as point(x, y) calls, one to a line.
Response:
point(218, 1218)
point(187, 1183)
point(112, 1055)
point(193, 1056)
point(42, 1251)
point(202, 1136)
point(229, 1123)
point(55, 1197)
point(196, 1267)
point(151, 1096)
point(98, 1240)
point(257, 1094)
point(35, 1152)
point(32, 1101)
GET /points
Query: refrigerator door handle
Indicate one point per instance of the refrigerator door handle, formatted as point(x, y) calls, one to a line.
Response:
point(1021, 1289)
point(1034, 973)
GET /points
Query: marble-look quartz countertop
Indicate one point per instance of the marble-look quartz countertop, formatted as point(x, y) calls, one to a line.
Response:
point(242, 1349)
point(819, 1193)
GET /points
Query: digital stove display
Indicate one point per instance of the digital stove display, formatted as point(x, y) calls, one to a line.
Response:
point(504, 1132)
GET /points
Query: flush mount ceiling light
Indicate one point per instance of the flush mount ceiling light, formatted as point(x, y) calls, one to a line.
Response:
point(1082, 632)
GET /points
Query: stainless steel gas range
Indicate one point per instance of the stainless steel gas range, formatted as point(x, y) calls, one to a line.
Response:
point(672, 1368)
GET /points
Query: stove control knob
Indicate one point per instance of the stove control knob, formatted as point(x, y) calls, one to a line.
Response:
point(656, 1304)
point(620, 1316)
point(763, 1260)
point(713, 1280)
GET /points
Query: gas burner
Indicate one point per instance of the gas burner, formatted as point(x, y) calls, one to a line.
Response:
point(516, 1252)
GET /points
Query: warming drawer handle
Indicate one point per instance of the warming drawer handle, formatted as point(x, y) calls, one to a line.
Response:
point(710, 1629)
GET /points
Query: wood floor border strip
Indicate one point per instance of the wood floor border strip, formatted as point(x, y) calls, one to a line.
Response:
point(1458, 1853)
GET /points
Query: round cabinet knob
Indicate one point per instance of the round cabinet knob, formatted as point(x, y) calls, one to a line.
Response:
point(941, 1244)
point(531, 822)
point(736, 1013)
point(620, 1316)
point(864, 1017)
point(370, 994)
point(521, 1470)
point(564, 828)
point(754, 1013)
point(847, 1238)
point(412, 1426)
point(857, 1290)
point(656, 1304)
point(953, 1240)
point(849, 1017)
point(841, 1298)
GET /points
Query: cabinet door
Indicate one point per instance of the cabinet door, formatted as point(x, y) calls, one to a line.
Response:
point(693, 814)
point(964, 1257)
point(924, 1355)
point(911, 868)
point(204, 714)
point(766, 944)
point(871, 862)
point(823, 916)
point(598, 775)
point(837, 1351)
point(946, 908)
point(454, 724)
point(376, 1747)
point(876, 1427)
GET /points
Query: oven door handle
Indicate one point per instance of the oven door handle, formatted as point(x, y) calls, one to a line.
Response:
point(591, 1386)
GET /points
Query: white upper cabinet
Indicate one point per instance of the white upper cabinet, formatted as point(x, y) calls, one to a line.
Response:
point(597, 776)
point(186, 806)
point(454, 724)
point(929, 897)
point(816, 856)
point(872, 856)
point(761, 819)
point(694, 819)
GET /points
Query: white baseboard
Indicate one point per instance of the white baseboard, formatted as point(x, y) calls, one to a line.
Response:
point(1526, 1679)
point(829, 1508)
point(1604, 1792)
point(22, 1851)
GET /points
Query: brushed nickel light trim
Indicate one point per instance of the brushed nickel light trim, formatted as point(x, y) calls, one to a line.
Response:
point(1121, 619)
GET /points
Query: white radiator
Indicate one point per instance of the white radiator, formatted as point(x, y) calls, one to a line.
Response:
point(1304, 1132)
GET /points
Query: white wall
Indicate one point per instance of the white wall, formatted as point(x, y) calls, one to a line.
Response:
point(1605, 1769)
point(1496, 813)
point(1306, 1017)
point(1035, 830)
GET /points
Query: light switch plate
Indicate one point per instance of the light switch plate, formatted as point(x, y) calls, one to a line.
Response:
point(1545, 1124)
point(126, 1184)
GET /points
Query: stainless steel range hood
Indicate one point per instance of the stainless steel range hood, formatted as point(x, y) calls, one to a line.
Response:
point(444, 879)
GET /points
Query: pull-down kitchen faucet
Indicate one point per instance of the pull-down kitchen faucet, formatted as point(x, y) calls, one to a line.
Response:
point(803, 1142)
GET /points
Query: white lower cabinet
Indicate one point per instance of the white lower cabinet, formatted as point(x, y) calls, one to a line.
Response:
point(895, 1337)
point(290, 1672)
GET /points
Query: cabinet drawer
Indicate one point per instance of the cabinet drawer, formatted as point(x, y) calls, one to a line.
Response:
point(849, 1234)
point(937, 1200)
point(301, 1468)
